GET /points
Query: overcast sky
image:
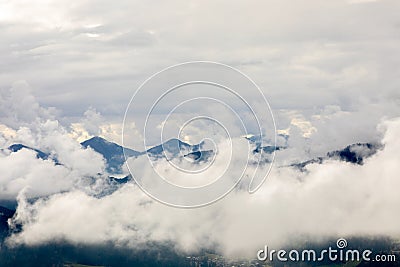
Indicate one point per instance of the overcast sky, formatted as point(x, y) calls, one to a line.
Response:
point(329, 69)
point(303, 54)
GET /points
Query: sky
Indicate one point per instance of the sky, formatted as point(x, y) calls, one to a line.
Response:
point(329, 70)
point(304, 55)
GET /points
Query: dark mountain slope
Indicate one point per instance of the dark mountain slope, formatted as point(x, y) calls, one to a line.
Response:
point(112, 152)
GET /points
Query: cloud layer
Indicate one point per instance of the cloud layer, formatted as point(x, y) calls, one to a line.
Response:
point(25, 121)
point(332, 199)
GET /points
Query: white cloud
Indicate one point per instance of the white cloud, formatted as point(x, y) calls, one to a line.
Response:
point(300, 61)
point(332, 199)
point(26, 122)
point(37, 177)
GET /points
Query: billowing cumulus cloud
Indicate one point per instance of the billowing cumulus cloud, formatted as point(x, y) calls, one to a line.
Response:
point(332, 199)
point(22, 170)
point(26, 122)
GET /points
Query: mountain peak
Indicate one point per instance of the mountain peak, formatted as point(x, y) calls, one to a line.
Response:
point(354, 153)
point(18, 147)
point(173, 146)
point(112, 152)
point(96, 139)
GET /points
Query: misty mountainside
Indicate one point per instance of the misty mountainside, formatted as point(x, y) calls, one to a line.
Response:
point(258, 141)
point(172, 147)
point(354, 153)
point(115, 158)
point(111, 152)
point(39, 154)
point(267, 149)
point(114, 153)
point(5, 214)
point(200, 155)
point(175, 148)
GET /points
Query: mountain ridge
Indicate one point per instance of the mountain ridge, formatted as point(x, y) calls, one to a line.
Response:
point(115, 158)
point(111, 152)
point(354, 153)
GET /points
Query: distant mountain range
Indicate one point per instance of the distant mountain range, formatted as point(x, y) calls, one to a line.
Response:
point(114, 156)
point(173, 147)
point(114, 153)
point(355, 153)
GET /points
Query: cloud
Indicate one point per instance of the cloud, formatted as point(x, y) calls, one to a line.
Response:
point(303, 61)
point(37, 127)
point(93, 123)
point(331, 199)
point(18, 106)
point(37, 177)
point(88, 126)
